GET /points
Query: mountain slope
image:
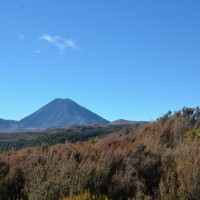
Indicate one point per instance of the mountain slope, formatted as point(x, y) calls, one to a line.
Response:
point(61, 112)
point(8, 125)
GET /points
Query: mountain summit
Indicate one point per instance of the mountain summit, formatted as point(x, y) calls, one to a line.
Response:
point(61, 112)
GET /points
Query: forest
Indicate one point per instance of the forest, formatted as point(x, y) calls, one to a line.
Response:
point(159, 160)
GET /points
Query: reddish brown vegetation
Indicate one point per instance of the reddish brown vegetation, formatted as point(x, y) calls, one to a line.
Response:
point(160, 160)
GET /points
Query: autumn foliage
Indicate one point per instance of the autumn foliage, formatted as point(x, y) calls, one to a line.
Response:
point(160, 160)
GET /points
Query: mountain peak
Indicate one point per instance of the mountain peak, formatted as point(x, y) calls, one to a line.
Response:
point(61, 112)
point(64, 101)
point(61, 100)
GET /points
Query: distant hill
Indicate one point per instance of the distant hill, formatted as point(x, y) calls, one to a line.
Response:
point(123, 121)
point(59, 113)
point(8, 125)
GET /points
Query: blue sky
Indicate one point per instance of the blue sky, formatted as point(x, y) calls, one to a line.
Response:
point(132, 59)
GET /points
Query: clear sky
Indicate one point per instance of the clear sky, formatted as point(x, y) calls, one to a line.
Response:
point(132, 59)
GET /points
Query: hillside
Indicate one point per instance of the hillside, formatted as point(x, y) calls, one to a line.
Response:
point(157, 161)
point(20, 140)
point(8, 125)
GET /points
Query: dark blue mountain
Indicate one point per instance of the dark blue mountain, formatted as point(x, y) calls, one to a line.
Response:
point(59, 113)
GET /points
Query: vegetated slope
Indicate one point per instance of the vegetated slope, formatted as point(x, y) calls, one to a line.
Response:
point(17, 141)
point(8, 125)
point(160, 160)
point(61, 112)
